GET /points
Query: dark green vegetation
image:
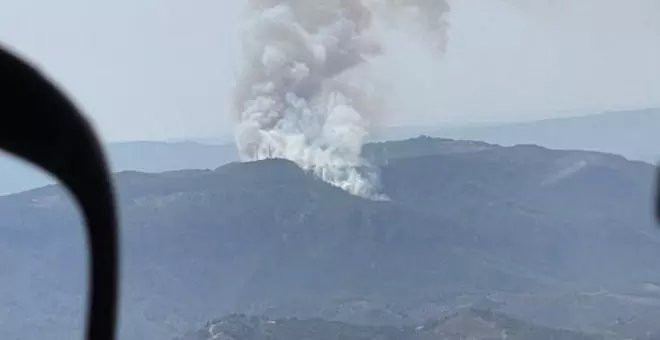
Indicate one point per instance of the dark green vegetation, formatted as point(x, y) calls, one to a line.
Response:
point(559, 239)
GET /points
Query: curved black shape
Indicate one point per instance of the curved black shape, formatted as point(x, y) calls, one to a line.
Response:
point(40, 125)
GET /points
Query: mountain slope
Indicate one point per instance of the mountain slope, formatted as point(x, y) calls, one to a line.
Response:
point(562, 239)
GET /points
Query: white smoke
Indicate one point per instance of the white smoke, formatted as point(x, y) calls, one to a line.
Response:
point(302, 96)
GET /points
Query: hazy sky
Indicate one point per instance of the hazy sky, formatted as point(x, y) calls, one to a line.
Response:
point(157, 69)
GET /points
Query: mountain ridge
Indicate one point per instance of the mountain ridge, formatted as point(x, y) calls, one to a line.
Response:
point(146, 156)
point(482, 226)
point(631, 133)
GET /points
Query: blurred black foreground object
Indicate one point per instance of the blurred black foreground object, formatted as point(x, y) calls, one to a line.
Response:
point(39, 124)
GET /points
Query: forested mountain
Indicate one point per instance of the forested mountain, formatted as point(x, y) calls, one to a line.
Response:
point(557, 239)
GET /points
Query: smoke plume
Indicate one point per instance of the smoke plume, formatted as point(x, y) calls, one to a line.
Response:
point(425, 18)
point(302, 94)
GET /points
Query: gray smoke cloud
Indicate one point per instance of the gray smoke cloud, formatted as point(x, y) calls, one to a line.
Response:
point(420, 17)
point(303, 94)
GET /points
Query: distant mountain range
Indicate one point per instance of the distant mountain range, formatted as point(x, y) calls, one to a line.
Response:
point(634, 134)
point(16, 176)
point(558, 239)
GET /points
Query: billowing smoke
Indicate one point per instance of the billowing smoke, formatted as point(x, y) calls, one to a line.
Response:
point(302, 94)
point(418, 17)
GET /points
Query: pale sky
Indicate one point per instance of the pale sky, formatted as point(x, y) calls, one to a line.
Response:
point(160, 69)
